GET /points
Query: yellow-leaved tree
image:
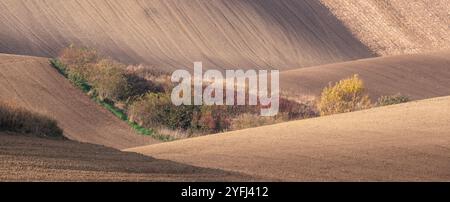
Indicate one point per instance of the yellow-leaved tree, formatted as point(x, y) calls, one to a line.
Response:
point(347, 95)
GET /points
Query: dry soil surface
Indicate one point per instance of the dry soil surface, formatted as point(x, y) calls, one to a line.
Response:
point(418, 76)
point(28, 158)
point(406, 142)
point(31, 82)
point(175, 33)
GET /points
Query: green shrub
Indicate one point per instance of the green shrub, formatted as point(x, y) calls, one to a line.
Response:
point(180, 117)
point(79, 80)
point(392, 99)
point(156, 109)
point(148, 110)
point(62, 69)
point(345, 96)
point(109, 81)
point(20, 120)
point(117, 112)
point(138, 128)
point(143, 95)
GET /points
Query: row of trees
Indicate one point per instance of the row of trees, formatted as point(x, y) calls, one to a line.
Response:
point(144, 95)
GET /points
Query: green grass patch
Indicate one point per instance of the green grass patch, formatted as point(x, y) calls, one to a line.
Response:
point(85, 87)
point(150, 132)
point(58, 65)
point(77, 81)
point(139, 129)
point(117, 112)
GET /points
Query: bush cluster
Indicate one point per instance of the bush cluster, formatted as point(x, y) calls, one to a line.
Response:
point(156, 109)
point(392, 99)
point(142, 92)
point(143, 95)
point(346, 95)
point(295, 110)
point(106, 78)
point(20, 120)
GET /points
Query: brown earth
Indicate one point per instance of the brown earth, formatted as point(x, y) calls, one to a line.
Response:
point(281, 34)
point(31, 82)
point(175, 33)
point(396, 138)
point(406, 142)
point(390, 27)
point(418, 76)
point(27, 158)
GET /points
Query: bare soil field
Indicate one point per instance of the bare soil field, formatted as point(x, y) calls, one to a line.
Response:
point(31, 82)
point(406, 142)
point(223, 34)
point(175, 33)
point(390, 27)
point(313, 43)
point(418, 76)
point(28, 158)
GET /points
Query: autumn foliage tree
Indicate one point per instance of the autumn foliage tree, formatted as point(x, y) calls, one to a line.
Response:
point(346, 95)
point(110, 81)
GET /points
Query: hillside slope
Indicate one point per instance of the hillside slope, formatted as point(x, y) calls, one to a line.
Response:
point(175, 33)
point(280, 34)
point(396, 143)
point(390, 27)
point(417, 76)
point(34, 84)
point(55, 160)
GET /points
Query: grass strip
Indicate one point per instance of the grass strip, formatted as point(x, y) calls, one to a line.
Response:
point(85, 87)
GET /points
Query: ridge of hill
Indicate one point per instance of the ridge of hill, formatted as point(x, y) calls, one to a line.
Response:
point(33, 83)
point(405, 142)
